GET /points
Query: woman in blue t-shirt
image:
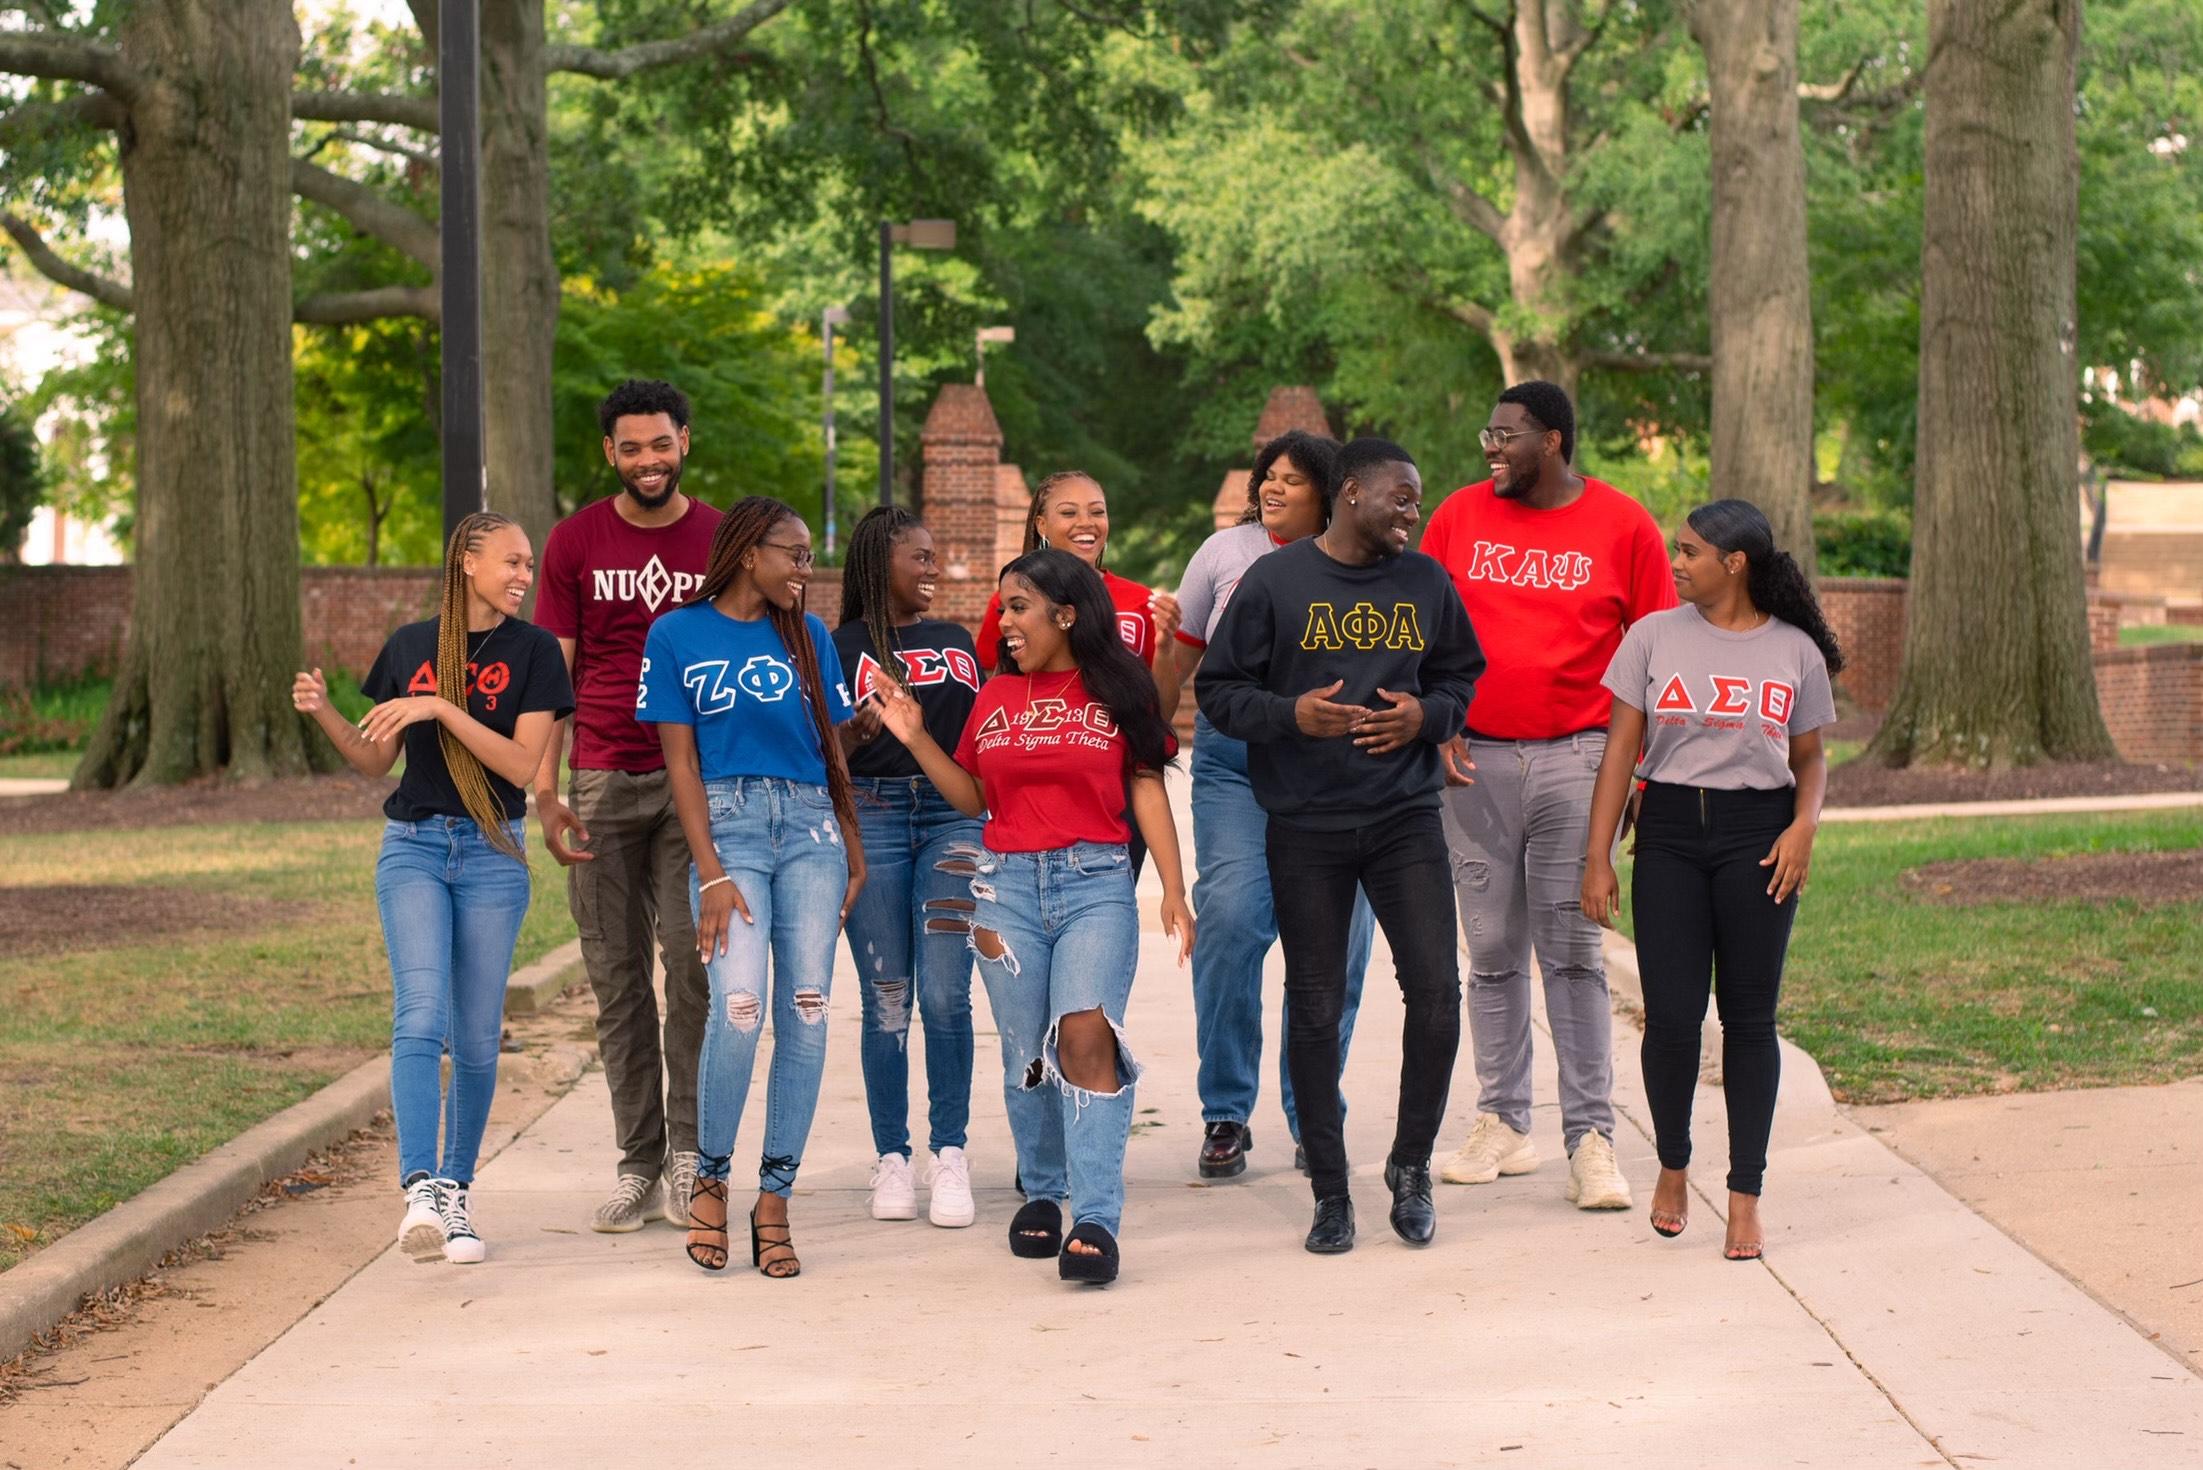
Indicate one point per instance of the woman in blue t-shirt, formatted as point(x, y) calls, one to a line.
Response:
point(908, 935)
point(745, 689)
point(470, 696)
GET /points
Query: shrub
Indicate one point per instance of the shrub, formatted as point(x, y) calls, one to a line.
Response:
point(1863, 543)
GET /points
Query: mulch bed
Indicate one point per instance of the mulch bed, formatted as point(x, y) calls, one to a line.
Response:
point(213, 802)
point(2145, 877)
point(51, 918)
point(1859, 782)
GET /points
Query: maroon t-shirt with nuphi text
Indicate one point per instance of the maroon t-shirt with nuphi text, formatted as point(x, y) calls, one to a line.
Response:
point(601, 583)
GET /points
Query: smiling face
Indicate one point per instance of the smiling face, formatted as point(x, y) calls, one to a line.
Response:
point(645, 451)
point(1036, 630)
point(1075, 518)
point(501, 569)
point(1702, 574)
point(780, 564)
point(1518, 463)
point(913, 574)
point(1292, 506)
point(1383, 505)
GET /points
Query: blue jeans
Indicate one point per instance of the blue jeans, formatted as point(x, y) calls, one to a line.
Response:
point(909, 831)
point(1057, 932)
point(781, 843)
point(1235, 925)
point(451, 910)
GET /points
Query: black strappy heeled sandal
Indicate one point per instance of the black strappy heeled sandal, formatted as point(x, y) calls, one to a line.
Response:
point(700, 1251)
point(1093, 1270)
point(759, 1245)
point(1036, 1230)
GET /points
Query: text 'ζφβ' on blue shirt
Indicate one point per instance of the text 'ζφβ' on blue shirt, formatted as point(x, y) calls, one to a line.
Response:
point(737, 684)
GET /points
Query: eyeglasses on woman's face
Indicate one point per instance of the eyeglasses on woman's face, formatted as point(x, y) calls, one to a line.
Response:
point(795, 551)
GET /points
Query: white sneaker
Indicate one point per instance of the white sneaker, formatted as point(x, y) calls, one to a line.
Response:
point(894, 1193)
point(421, 1232)
point(1492, 1149)
point(462, 1247)
point(680, 1183)
point(633, 1203)
point(950, 1205)
point(1594, 1182)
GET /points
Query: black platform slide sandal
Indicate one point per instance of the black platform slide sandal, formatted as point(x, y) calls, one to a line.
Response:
point(1093, 1270)
point(1036, 1230)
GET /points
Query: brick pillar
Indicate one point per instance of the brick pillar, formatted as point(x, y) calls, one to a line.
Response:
point(1013, 504)
point(962, 447)
point(1295, 407)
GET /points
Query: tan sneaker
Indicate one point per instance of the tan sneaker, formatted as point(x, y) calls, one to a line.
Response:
point(680, 1183)
point(1492, 1149)
point(1594, 1182)
point(634, 1201)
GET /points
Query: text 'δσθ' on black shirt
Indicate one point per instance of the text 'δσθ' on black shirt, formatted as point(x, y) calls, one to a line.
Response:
point(941, 666)
point(1301, 620)
point(513, 669)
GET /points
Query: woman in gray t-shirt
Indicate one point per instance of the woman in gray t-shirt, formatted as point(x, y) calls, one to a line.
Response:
point(1725, 697)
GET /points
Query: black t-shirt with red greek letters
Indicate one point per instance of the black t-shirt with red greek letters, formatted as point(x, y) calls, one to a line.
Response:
point(513, 669)
point(941, 666)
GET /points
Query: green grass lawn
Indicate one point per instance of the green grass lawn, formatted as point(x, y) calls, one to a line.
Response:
point(2141, 636)
point(40, 765)
point(1900, 998)
point(123, 1058)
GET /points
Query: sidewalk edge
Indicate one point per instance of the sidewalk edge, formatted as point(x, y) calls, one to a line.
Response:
point(130, 1239)
point(534, 988)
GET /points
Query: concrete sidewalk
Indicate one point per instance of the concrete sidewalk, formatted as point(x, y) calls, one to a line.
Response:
point(1889, 1326)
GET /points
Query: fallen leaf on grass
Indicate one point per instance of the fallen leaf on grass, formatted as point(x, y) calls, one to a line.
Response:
point(23, 1233)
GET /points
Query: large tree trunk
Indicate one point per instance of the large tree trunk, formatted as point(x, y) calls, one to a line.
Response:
point(1997, 668)
point(1759, 298)
point(519, 276)
point(206, 169)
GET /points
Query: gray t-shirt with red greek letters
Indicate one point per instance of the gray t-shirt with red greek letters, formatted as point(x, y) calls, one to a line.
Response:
point(1720, 706)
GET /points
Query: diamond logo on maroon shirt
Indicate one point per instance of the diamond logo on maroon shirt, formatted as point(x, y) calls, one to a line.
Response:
point(653, 583)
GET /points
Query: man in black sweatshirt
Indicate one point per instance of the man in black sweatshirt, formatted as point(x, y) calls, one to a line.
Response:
point(1345, 661)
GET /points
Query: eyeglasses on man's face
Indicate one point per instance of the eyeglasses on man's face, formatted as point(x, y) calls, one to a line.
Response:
point(1498, 438)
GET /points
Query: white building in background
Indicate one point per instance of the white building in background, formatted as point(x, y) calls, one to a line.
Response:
point(36, 336)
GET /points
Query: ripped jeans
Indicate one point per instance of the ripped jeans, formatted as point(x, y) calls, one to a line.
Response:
point(1057, 932)
point(781, 843)
point(909, 960)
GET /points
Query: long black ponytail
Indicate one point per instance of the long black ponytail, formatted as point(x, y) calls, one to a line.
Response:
point(1777, 584)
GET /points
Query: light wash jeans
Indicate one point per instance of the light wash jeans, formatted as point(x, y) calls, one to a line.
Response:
point(1057, 932)
point(909, 831)
point(1517, 842)
point(451, 910)
point(1234, 926)
point(781, 843)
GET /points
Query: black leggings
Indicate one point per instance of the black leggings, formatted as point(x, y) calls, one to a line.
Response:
point(1702, 911)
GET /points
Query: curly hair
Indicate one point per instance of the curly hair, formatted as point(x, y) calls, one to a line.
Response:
point(1777, 584)
point(1313, 454)
point(643, 396)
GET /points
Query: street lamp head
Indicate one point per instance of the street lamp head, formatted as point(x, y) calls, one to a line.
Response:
point(926, 234)
point(997, 334)
point(836, 316)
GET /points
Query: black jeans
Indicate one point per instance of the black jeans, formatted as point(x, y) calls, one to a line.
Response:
point(1703, 918)
point(1399, 861)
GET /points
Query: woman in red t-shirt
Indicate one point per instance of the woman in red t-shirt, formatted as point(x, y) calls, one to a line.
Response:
point(1046, 755)
point(1070, 513)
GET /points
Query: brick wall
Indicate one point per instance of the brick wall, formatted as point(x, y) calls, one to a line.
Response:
point(962, 447)
point(1867, 615)
point(59, 622)
point(2152, 701)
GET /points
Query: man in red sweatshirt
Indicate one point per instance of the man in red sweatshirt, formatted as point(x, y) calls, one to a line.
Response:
point(1552, 566)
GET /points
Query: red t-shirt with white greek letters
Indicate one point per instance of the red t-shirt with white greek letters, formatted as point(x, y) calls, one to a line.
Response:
point(602, 582)
point(1052, 761)
point(1550, 593)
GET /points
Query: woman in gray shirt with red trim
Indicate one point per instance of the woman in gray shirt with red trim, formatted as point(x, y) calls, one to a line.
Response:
point(1726, 696)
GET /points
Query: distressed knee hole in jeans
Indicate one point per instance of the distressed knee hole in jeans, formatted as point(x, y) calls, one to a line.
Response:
point(891, 1008)
point(1472, 873)
point(949, 915)
point(811, 1007)
point(1128, 1068)
point(989, 945)
point(744, 1009)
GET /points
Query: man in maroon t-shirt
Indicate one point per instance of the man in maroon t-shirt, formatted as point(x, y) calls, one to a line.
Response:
point(608, 570)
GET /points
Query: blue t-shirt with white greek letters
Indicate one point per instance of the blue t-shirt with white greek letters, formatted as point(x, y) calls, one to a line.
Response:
point(736, 683)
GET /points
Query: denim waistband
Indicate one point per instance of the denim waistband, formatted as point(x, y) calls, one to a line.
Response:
point(737, 785)
point(1710, 802)
point(452, 826)
point(880, 785)
point(1082, 857)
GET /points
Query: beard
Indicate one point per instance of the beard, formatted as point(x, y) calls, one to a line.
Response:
point(658, 501)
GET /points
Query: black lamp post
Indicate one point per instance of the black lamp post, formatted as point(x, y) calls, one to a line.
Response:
point(924, 234)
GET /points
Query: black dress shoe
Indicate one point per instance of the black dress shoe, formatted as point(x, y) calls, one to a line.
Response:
point(1414, 1217)
point(1333, 1232)
point(1224, 1150)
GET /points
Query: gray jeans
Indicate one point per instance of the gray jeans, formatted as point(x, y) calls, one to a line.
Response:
point(632, 896)
point(1517, 840)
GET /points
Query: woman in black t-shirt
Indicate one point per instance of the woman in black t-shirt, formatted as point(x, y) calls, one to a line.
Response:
point(909, 932)
point(472, 695)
